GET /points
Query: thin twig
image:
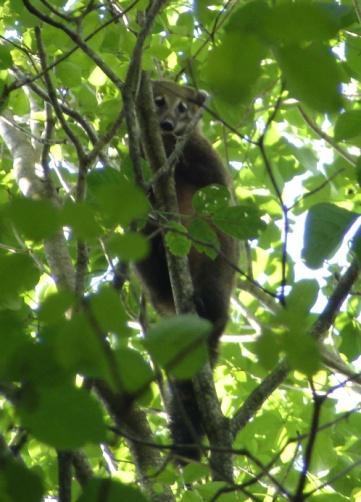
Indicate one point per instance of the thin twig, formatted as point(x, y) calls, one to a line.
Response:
point(261, 145)
point(335, 301)
point(54, 100)
point(316, 415)
point(78, 41)
point(341, 151)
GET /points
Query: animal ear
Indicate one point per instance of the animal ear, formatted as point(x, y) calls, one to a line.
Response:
point(202, 97)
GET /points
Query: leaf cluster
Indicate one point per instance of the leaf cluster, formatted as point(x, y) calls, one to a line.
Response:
point(284, 115)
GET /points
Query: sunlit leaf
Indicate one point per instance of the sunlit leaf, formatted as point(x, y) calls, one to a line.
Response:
point(326, 225)
point(236, 49)
point(242, 221)
point(211, 198)
point(5, 57)
point(311, 75)
point(348, 125)
point(176, 239)
point(68, 74)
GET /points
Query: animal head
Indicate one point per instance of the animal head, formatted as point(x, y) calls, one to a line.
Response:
point(176, 105)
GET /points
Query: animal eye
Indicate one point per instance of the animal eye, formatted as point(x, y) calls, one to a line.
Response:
point(182, 107)
point(159, 100)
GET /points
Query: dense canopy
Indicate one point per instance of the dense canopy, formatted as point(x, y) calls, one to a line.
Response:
point(83, 356)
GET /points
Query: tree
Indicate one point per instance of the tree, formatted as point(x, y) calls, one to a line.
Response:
point(82, 357)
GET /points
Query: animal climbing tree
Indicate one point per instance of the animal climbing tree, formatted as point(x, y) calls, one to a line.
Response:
point(83, 357)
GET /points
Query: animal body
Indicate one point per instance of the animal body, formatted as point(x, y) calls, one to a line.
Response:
point(198, 166)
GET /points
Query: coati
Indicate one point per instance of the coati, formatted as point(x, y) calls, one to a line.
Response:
point(198, 166)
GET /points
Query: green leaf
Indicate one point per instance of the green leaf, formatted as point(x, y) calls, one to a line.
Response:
point(302, 350)
point(129, 247)
point(210, 199)
point(236, 50)
point(348, 125)
point(108, 310)
point(55, 306)
point(63, 417)
point(81, 218)
point(19, 103)
point(120, 202)
point(313, 184)
point(312, 75)
point(202, 12)
point(350, 340)
point(302, 297)
point(111, 491)
point(177, 241)
point(178, 344)
point(12, 339)
point(326, 225)
point(268, 349)
point(135, 373)
point(205, 239)
point(102, 177)
point(325, 455)
point(356, 244)
point(68, 74)
point(53, 38)
point(352, 53)
point(329, 497)
point(18, 483)
point(36, 219)
point(78, 347)
point(302, 22)
point(6, 60)
point(250, 17)
point(87, 99)
point(97, 78)
point(18, 273)
point(112, 39)
point(358, 171)
point(37, 363)
point(242, 221)
point(26, 19)
point(195, 472)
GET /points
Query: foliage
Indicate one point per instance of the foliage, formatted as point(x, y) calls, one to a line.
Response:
point(76, 372)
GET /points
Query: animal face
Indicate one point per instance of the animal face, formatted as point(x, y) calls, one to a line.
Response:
point(176, 105)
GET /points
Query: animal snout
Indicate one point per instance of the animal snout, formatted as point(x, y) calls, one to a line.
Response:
point(167, 125)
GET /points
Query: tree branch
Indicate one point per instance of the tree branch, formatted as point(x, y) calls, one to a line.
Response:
point(54, 100)
point(213, 420)
point(62, 270)
point(317, 404)
point(261, 393)
point(83, 470)
point(258, 396)
point(77, 40)
point(336, 300)
point(341, 151)
point(64, 476)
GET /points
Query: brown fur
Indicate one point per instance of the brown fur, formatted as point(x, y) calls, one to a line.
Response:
point(198, 166)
